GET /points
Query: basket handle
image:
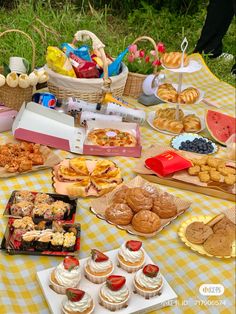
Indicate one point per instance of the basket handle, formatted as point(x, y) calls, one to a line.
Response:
point(98, 45)
point(28, 37)
point(142, 38)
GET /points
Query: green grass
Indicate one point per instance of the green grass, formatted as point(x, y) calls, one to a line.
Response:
point(115, 32)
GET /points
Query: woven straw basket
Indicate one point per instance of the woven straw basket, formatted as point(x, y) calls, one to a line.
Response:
point(134, 81)
point(91, 90)
point(14, 97)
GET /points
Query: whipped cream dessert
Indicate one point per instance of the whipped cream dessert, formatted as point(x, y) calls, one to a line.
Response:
point(79, 306)
point(115, 296)
point(68, 278)
point(99, 267)
point(150, 283)
point(130, 256)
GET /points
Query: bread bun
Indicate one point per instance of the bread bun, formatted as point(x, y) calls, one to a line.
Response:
point(119, 214)
point(146, 221)
point(173, 60)
point(138, 199)
point(188, 96)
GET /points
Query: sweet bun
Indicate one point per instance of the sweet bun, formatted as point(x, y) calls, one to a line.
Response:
point(164, 206)
point(120, 196)
point(191, 123)
point(146, 221)
point(188, 96)
point(167, 92)
point(173, 59)
point(120, 214)
point(173, 126)
point(169, 113)
point(139, 199)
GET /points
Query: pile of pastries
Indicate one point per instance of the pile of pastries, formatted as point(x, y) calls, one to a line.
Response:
point(173, 59)
point(165, 119)
point(103, 177)
point(20, 157)
point(210, 169)
point(168, 93)
point(216, 236)
point(140, 208)
point(111, 137)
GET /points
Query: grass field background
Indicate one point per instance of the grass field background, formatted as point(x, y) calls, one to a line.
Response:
point(58, 23)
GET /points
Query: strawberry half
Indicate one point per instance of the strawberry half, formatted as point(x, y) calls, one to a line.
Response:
point(98, 256)
point(70, 262)
point(74, 295)
point(133, 245)
point(151, 270)
point(115, 283)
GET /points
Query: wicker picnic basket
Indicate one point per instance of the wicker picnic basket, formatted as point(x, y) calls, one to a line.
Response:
point(91, 90)
point(14, 97)
point(133, 86)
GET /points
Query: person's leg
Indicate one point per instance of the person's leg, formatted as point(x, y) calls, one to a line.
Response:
point(219, 16)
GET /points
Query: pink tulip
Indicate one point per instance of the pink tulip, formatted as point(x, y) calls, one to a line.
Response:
point(131, 58)
point(147, 59)
point(156, 62)
point(141, 53)
point(161, 47)
point(153, 52)
point(133, 48)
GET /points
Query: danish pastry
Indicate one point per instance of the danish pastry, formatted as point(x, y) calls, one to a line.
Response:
point(120, 214)
point(146, 221)
point(188, 96)
point(173, 60)
point(191, 123)
point(169, 113)
point(173, 126)
point(139, 199)
point(169, 95)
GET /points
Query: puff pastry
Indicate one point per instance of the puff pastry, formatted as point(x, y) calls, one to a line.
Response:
point(146, 221)
point(164, 206)
point(173, 59)
point(191, 123)
point(167, 92)
point(120, 214)
point(188, 96)
point(139, 199)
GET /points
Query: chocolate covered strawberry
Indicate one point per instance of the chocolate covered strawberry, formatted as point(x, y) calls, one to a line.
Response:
point(98, 256)
point(115, 282)
point(151, 270)
point(133, 245)
point(70, 262)
point(74, 295)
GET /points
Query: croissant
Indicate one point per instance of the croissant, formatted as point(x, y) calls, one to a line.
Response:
point(188, 96)
point(191, 123)
point(173, 126)
point(169, 95)
point(173, 60)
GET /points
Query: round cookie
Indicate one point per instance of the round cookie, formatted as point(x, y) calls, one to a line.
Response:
point(120, 214)
point(218, 244)
point(197, 232)
point(225, 227)
point(139, 199)
point(146, 221)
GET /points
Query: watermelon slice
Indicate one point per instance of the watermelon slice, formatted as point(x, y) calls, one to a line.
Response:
point(220, 125)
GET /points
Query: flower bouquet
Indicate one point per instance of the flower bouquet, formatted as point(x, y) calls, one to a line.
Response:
point(140, 64)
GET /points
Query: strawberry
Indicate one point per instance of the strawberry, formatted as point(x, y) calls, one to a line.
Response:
point(98, 256)
point(74, 295)
point(70, 262)
point(115, 283)
point(151, 270)
point(133, 245)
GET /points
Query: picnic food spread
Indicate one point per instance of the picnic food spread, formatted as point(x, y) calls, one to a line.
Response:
point(109, 202)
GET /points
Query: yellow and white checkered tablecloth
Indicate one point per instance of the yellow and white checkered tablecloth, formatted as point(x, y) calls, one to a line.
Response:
point(184, 269)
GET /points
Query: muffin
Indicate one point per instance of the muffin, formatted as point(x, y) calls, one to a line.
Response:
point(66, 275)
point(114, 294)
point(139, 199)
point(148, 281)
point(131, 256)
point(78, 302)
point(98, 267)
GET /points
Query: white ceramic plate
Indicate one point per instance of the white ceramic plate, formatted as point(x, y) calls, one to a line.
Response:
point(192, 67)
point(176, 141)
point(137, 304)
point(201, 96)
point(151, 117)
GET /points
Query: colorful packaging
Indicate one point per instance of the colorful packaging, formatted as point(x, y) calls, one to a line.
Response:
point(83, 68)
point(58, 62)
point(81, 52)
point(45, 99)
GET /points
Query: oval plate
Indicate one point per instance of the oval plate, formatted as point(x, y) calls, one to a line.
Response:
point(152, 114)
point(176, 141)
point(196, 247)
point(193, 66)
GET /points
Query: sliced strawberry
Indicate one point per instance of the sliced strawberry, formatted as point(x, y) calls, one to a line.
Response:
point(151, 270)
point(74, 295)
point(115, 283)
point(70, 262)
point(133, 245)
point(98, 256)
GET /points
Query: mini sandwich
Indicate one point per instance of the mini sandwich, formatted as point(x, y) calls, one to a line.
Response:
point(79, 165)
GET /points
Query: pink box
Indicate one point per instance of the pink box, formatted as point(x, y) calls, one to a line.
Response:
point(7, 116)
point(38, 124)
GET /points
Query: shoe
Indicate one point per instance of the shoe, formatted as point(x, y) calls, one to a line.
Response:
point(226, 56)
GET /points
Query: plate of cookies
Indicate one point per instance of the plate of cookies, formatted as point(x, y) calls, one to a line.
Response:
point(139, 207)
point(164, 120)
point(211, 236)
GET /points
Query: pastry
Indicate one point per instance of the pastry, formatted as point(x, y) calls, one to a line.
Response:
point(191, 123)
point(22, 209)
point(66, 275)
point(173, 60)
point(114, 294)
point(79, 188)
point(197, 232)
point(98, 267)
point(168, 113)
point(139, 199)
point(146, 221)
point(105, 168)
point(78, 302)
point(218, 245)
point(103, 186)
point(120, 195)
point(169, 95)
point(193, 171)
point(148, 282)
point(79, 165)
point(120, 214)
point(164, 206)
point(131, 256)
point(68, 174)
point(188, 96)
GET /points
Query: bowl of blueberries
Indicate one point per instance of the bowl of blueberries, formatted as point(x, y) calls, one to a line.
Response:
point(194, 143)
